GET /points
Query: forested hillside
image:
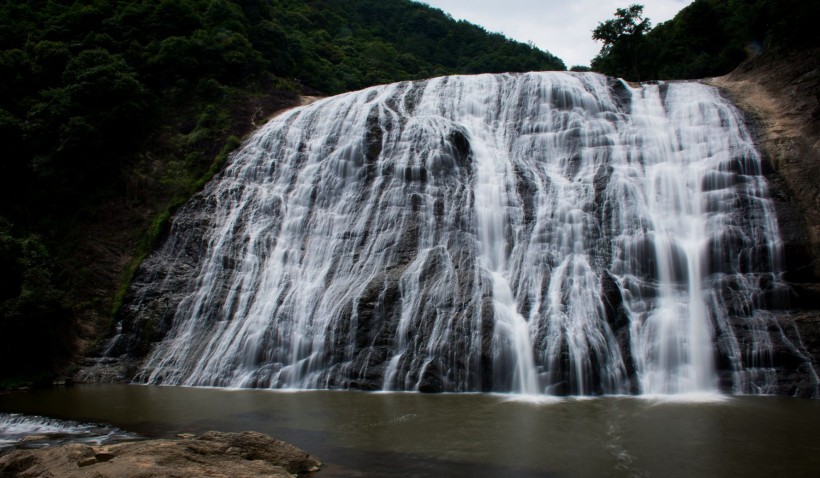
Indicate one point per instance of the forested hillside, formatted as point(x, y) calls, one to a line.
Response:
point(707, 38)
point(114, 111)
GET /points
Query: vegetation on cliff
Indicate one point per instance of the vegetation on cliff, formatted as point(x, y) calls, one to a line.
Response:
point(707, 38)
point(115, 111)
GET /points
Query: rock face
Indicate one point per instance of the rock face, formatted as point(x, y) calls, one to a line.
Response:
point(213, 454)
point(781, 97)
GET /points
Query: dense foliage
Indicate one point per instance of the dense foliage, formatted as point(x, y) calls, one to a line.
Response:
point(707, 38)
point(624, 40)
point(34, 313)
point(84, 80)
point(109, 106)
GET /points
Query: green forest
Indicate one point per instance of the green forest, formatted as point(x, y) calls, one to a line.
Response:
point(86, 82)
point(707, 38)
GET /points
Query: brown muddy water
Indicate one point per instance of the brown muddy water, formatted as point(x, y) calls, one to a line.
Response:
point(472, 435)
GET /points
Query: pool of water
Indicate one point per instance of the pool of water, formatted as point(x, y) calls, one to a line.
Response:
point(472, 435)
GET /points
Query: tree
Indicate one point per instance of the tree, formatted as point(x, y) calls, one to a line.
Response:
point(625, 46)
point(79, 127)
point(34, 320)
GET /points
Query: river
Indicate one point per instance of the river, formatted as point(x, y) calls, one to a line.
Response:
point(360, 434)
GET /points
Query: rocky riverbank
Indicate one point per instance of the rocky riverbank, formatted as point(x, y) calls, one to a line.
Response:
point(212, 454)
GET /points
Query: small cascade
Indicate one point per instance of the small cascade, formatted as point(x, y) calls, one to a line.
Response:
point(31, 431)
point(542, 233)
point(493, 178)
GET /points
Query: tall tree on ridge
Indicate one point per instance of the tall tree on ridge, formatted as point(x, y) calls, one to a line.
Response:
point(624, 42)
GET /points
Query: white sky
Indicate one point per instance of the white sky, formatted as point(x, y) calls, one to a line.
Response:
point(561, 27)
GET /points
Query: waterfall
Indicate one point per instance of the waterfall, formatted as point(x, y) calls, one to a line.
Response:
point(554, 233)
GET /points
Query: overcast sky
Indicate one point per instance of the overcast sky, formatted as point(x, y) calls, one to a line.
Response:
point(562, 27)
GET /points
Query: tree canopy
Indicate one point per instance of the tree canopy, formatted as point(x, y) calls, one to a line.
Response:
point(707, 38)
point(85, 81)
point(624, 42)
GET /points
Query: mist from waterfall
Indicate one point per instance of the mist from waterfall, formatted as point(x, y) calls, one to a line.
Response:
point(542, 233)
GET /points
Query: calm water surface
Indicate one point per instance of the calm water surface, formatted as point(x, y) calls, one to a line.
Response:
point(413, 435)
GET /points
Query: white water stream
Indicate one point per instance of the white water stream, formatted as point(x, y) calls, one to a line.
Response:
point(537, 233)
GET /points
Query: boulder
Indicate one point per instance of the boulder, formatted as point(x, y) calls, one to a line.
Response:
point(213, 454)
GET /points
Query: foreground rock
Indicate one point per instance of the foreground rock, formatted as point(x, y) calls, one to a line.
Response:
point(213, 454)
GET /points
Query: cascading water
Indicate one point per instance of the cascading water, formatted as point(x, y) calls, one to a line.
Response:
point(537, 233)
point(35, 432)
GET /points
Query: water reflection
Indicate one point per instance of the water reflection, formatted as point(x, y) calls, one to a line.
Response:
point(472, 435)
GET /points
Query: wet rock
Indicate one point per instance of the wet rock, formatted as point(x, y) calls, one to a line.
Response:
point(106, 370)
point(431, 380)
point(795, 343)
point(619, 324)
point(801, 337)
point(213, 454)
point(780, 96)
point(62, 381)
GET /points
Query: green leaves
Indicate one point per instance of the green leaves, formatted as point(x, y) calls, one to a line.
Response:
point(95, 110)
point(339, 45)
point(625, 47)
point(32, 306)
point(628, 23)
point(707, 38)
